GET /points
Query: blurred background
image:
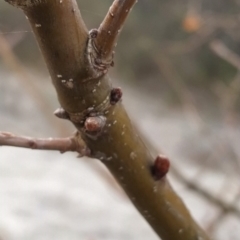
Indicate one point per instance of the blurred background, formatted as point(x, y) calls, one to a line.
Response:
point(178, 63)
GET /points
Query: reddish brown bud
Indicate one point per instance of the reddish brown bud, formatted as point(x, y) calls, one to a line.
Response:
point(160, 167)
point(115, 95)
point(94, 124)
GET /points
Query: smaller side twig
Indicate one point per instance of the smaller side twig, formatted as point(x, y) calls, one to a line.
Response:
point(103, 40)
point(111, 26)
point(58, 144)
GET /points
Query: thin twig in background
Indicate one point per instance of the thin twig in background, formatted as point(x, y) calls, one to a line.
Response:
point(220, 216)
point(28, 85)
point(188, 105)
point(178, 85)
point(219, 48)
point(193, 185)
point(228, 95)
point(194, 42)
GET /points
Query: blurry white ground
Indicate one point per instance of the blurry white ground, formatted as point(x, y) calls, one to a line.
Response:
point(47, 196)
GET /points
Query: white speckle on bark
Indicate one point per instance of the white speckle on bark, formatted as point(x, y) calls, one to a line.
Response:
point(115, 121)
point(109, 158)
point(37, 25)
point(90, 109)
point(133, 155)
point(122, 133)
point(94, 90)
point(110, 11)
point(68, 83)
point(59, 76)
point(180, 231)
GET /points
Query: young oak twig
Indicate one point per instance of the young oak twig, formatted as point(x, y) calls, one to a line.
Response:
point(103, 40)
point(59, 144)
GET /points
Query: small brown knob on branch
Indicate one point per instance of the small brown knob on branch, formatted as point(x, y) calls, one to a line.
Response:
point(160, 167)
point(61, 113)
point(115, 95)
point(94, 124)
point(93, 33)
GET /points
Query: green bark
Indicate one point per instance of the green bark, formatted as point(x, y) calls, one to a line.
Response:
point(62, 37)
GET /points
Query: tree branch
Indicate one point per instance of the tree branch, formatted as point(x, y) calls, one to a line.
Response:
point(111, 26)
point(103, 123)
point(103, 40)
point(63, 145)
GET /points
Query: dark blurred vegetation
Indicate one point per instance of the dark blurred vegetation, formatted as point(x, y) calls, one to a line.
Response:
point(163, 41)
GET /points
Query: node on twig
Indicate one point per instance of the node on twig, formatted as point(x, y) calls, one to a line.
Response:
point(94, 125)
